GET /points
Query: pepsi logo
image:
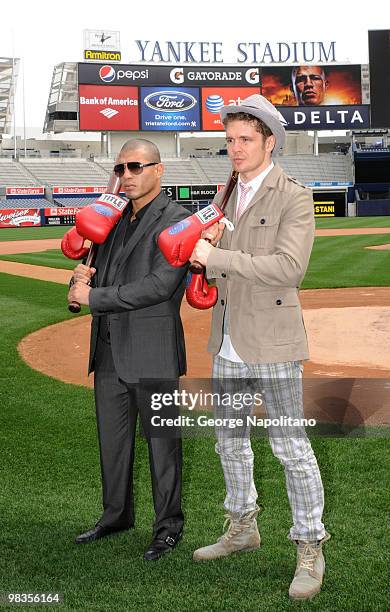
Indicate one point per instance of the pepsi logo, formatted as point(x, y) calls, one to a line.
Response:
point(107, 74)
point(214, 103)
point(170, 101)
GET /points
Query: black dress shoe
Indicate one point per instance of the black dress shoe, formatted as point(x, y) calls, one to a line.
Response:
point(161, 546)
point(97, 533)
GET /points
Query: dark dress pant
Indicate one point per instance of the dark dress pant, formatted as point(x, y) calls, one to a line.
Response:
point(117, 407)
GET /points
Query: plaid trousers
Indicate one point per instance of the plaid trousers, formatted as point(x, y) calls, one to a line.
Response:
point(280, 385)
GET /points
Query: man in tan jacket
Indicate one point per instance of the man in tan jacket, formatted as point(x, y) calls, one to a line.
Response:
point(258, 337)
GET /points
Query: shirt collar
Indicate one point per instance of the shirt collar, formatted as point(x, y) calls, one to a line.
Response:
point(255, 183)
point(140, 213)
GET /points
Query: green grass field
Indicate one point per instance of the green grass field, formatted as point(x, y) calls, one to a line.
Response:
point(36, 233)
point(32, 233)
point(50, 491)
point(336, 261)
point(53, 258)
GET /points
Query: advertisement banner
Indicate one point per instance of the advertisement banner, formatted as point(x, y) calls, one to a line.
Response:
point(66, 190)
point(214, 98)
point(60, 216)
point(203, 192)
point(170, 190)
point(170, 109)
point(209, 76)
point(123, 74)
point(329, 203)
point(62, 211)
point(326, 117)
point(20, 217)
point(102, 56)
point(150, 75)
point(312, 85)
point(108, 108)
point(24, 191)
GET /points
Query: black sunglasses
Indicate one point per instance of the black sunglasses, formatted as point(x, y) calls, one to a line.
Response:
point(134, 167)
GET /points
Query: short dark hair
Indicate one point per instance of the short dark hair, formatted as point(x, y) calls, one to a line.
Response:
point(258, 124)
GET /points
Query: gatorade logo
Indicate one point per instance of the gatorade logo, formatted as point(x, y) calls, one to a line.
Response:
point(107, 74)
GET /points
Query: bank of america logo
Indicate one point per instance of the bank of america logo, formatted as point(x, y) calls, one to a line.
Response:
point(109, 112)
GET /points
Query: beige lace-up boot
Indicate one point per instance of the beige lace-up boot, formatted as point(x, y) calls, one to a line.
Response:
point(310, 570)
point(242, 535)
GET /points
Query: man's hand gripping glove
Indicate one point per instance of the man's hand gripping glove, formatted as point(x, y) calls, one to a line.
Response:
point(178, 241)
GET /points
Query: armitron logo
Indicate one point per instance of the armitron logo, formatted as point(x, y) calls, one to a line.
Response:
point(109, 112)
point(107, 74)
point(170, 101)
point(103, 56)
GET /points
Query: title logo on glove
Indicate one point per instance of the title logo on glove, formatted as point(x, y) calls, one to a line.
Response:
point(207, 214)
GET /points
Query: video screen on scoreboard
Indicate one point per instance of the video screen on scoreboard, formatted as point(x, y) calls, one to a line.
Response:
point(312, 85)
point(372, 170)
point(379, 57)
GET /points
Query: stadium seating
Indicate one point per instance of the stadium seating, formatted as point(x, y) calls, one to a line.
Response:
point(194, 171)
point(217, 169)
point(24, 203)
point(65, 171)
point(13, 174)
point(74, 202)
point(325, 167)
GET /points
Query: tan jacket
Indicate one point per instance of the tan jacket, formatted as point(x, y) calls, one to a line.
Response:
point(259, 267)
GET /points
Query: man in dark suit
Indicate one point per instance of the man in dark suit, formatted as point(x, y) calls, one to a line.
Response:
point(137, 348)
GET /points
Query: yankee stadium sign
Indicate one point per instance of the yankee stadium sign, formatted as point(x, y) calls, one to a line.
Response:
point(257, 52)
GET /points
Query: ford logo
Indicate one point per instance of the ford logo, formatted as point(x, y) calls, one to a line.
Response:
point(170, 101)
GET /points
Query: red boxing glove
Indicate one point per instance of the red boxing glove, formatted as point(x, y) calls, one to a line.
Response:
point(178, 241)
point(72, 245)
point(199, 294)
point(96, 221)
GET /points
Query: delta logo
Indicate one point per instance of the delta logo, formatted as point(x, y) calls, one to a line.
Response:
point(107, 74)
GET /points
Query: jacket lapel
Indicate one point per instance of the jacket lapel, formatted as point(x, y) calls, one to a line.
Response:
point(229, 214)
point(268, 183)
point(104, 257)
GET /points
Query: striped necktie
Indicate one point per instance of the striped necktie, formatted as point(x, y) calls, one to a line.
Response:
point(244, 190)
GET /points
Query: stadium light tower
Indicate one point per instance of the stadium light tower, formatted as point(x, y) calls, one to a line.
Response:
point(9, 70)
